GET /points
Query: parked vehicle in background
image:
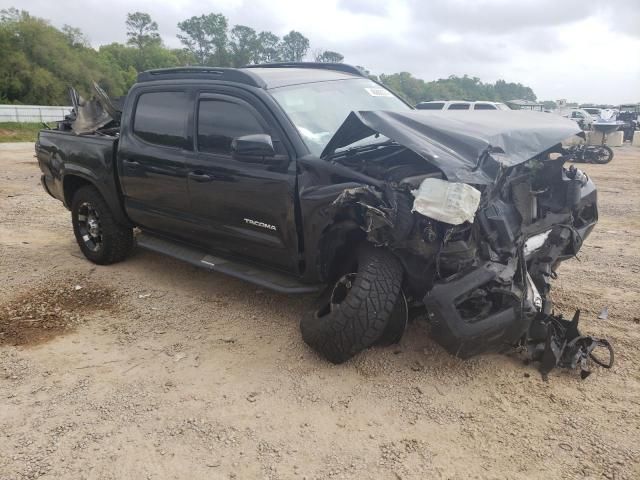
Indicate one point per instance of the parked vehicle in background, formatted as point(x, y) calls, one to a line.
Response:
point(590, 153)
point(593, 111)
point(461, 105)
point(630, 115)
point(521, 104)
point(580, 116)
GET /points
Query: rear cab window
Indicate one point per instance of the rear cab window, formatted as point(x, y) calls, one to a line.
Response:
point(459, 106)
point(430, 106)
point(161, 118)
point(484, 106)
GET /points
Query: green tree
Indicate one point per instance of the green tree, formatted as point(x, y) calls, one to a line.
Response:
point(405, 85)
point(183, 57)
point(329, 56)
point(142, 31)
point(454, 88)
point(244, 46)
point(269, 47)
point(294, 47)
point(12, 15)
point(75, 36)
point(38, 61)
point(511, 91)
point(153, 56)
point(205, 37)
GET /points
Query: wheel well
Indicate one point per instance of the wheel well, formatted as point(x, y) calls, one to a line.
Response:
point(337, 249)
point(71, 184)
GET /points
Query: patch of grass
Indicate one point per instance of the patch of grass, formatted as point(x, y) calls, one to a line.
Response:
point(19, 132)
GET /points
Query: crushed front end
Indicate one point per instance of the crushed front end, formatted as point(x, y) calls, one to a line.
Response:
point(481, 227)
point(526, 225)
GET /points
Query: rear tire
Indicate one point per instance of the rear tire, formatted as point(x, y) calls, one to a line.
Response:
point(354, 312)
point(100, 237)
point(605, 155)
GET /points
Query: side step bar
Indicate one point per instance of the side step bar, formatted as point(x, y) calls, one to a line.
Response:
point(278, 282)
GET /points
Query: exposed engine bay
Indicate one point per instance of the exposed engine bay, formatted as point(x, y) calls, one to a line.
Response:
point(479, 255)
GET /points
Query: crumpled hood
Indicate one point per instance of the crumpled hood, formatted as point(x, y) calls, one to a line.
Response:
point(455, 141)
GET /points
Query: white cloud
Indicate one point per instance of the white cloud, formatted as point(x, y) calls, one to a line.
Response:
point(585, 51)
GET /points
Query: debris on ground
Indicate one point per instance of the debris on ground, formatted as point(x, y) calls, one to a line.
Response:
point(51, 308)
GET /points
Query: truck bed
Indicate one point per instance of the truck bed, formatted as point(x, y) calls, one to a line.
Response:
point(65, 157)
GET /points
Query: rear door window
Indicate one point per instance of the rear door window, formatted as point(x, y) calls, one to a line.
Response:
point(430, 106)
point(220, 121)
point(484, 106)
point(161, 118)
point(459, 106)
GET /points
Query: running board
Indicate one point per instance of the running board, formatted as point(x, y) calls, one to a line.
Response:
point(278, 282)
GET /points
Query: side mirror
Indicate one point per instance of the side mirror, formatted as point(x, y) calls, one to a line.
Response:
point(257, 145)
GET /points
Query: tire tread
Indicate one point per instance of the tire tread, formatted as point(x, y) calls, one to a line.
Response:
point(360, 320)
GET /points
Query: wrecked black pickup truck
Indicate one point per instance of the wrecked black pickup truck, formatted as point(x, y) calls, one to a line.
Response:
point(313, 178)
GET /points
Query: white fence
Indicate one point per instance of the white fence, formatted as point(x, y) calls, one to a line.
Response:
point(32, 113)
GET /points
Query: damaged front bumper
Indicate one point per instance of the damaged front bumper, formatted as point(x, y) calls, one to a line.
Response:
point(478, 311)
point(498, 304)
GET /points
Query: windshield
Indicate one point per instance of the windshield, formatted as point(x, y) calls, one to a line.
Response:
point(318, 109)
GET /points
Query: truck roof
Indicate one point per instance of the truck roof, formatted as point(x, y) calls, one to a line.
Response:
point(266, 76)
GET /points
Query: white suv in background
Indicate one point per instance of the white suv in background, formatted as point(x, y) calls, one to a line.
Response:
point(461, 105)
point(578, 115)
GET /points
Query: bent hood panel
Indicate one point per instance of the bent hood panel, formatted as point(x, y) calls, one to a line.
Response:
point(455, 141)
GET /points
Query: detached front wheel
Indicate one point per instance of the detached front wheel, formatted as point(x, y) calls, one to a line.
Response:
point(101, 238)
point(353, 313)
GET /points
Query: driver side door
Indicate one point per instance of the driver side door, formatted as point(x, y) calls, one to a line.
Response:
point(242, 206)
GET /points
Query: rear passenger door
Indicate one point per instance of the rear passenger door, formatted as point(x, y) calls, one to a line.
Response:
point(244, 206)
point(151, 159)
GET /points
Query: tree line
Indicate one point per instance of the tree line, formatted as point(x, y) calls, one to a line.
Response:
point(38, 61)
point(455, 88)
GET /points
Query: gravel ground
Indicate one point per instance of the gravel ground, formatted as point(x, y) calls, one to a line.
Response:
point(152, 369)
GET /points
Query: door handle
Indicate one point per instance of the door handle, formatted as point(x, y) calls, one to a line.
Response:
point(200, 177)
point(130, 163)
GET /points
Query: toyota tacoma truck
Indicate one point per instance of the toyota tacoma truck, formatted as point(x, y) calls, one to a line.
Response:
point(313, 178)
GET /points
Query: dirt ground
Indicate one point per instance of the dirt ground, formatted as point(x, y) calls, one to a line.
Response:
point(153, 369)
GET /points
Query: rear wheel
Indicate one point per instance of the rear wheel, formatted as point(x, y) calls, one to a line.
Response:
point(101, 239)
point(354, 312)
point(603, 155)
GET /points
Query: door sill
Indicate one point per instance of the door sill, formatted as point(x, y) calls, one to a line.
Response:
point(278, 282)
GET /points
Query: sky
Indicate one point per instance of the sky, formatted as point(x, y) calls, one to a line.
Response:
point(585, 51)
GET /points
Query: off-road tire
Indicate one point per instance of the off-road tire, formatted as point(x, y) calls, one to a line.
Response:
point(360, 319)
point(116, 239)
point(604, 159)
